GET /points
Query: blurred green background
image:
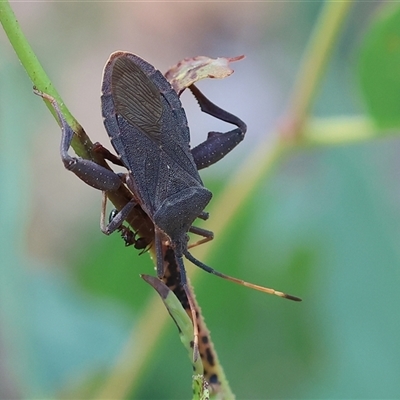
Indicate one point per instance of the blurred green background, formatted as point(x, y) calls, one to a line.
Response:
point(325, 226)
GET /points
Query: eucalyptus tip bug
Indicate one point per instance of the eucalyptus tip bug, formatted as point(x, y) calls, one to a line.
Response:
point(148, 129)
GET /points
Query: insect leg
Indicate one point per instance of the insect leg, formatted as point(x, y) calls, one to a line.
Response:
point(88, 171)
point(118, 219)
point(159, 252)
point(183, 283)
point(238, 281)
point(172, 278)
point(208, 235)
point(218, 144)
point(192, 306)
point(106, 154)
point(204, 215)
point(212, 109)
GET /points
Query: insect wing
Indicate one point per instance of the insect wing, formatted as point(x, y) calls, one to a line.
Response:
point(148, 128)
point(136, 98)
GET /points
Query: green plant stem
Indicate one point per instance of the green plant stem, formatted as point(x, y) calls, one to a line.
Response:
point(80, 143)
point(315, 60)
point(135, 355)
point(339, 131)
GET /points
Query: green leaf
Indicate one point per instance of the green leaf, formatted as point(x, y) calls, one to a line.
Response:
point(379, 68)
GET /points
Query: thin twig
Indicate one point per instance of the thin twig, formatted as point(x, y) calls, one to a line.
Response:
point(315, 60)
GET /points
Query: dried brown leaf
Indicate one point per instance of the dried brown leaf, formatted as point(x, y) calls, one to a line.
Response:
point(191, 70)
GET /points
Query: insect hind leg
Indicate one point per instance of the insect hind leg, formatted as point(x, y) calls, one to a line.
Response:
point(217, 144)
point(212, 109)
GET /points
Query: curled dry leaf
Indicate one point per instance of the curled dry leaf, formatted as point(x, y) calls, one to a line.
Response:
point(191, 70)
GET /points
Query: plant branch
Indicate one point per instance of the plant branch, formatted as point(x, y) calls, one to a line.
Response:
point(80, 143)
point(340, 131)
point(315, 60)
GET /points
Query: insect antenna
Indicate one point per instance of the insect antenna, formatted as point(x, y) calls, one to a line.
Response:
point(206, 268)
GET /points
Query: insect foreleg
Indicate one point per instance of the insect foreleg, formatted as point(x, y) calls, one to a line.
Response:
point(118, 219)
